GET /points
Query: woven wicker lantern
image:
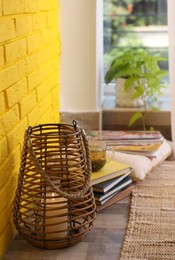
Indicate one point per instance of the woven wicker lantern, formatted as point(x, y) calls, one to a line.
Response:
point(54, 203)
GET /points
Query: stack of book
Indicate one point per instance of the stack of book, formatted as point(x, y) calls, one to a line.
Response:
point(147, 143)
point(111, 183)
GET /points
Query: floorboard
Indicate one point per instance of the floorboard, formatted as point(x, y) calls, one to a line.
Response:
point(101, 243)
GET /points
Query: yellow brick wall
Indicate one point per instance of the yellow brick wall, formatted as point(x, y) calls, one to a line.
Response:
point(29, 89)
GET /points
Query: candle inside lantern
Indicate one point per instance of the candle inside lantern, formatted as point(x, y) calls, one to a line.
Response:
point(56, 217)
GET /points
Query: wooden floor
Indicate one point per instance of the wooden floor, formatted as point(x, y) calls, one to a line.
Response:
point(102, 243)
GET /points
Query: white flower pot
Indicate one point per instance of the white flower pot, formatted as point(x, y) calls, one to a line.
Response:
point(124, 98)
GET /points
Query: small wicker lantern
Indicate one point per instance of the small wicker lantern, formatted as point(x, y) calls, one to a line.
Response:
point(54, 203)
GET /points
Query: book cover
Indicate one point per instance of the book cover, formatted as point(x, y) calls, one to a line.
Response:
point(134, 142)
point(105, 186)
point(151, 147)
point(148, 154)
point(111, 170)
point(151, 151)
point(124, 135)
point(117, 197)
point(102, 202)
point(101, 196)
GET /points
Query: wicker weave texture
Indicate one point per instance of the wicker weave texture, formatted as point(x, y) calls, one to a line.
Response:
point(54, 203)
point(150, 233)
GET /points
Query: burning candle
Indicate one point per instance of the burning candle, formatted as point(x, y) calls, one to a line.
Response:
point(56, 217)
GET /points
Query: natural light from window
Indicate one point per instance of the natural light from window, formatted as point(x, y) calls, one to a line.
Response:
point(134, 24)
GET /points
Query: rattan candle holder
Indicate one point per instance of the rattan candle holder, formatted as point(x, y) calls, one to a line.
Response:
point(54, 205)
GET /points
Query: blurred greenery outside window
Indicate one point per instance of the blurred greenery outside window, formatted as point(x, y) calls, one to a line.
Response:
point(129, 24)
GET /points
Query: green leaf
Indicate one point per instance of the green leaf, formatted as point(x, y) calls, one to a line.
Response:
point(151, 128)
point(130, 82)
point(139, 91)
point(134, 118)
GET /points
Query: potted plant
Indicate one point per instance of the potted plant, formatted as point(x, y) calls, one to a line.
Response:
point(142, 80)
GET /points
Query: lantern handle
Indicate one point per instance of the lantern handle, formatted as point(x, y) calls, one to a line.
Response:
point(72, 196)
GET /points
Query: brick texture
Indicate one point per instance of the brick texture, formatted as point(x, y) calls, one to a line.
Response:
point(29, 88)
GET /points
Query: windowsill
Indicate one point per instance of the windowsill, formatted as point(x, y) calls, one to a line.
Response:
point(117, 118)
point(110, 103)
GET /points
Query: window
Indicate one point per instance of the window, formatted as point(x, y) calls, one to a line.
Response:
point(135, 24)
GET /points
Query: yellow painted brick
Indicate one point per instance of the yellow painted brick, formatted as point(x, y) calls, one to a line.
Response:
point(13, 228)
point(55, 118)
point(6, 218)
point(45, 87)
point(3, 149)
point(9, 120)
point(55, 78)
point(4, 196)
point(40, 20)
point(49, 35)
point(10, 167)
point(12, 74)
point(27, 104)
point(34, 116)
point(45, 33)
point(20, 90)
point(40, 70)
point(50, 53)
point(8, 76)
point(0, 15)
point(34, 42)
point(53, 18)
point(2, 130)
point(7, 195)
point(32, 6)
point(47, 117)
point(49, 68)
point(50, 117)
point(55, 103)
point(6, 204)
point(38, 76)
point(44, 54)
point(2, 62)
point(46, 102)
point(42, 90)
point(2, 102)
point(55, 98)
point(11, 7)
point(22, 69)
point(38, 112)
point(55, 48)
point(58, 118)
point(24, 25)
point(55, 4)
point(7, 31)
point(5, 238)
point(31, 63)
point(45, 5)
point(34, 79)
point(15, 50)
point(16, 136)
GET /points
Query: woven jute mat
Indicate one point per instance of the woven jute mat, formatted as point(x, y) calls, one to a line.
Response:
point(150, 232)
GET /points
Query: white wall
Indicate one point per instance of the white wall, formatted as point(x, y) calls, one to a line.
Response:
point(81, 61)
